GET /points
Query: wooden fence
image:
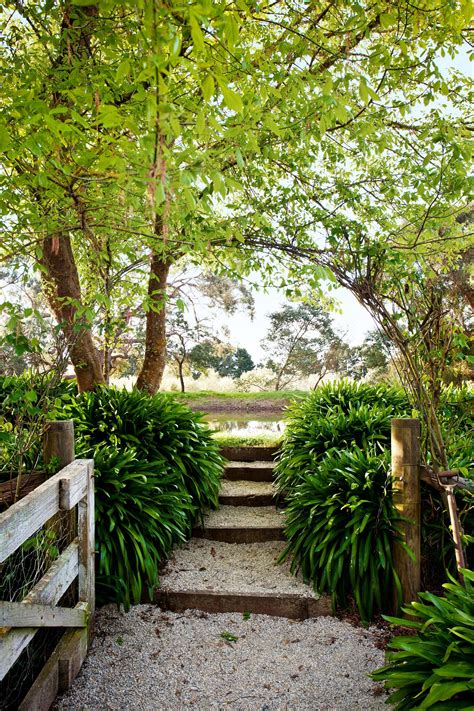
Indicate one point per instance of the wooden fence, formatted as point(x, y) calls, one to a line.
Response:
point(71, 489)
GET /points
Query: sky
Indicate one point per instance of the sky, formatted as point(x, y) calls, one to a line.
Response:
point(353, 323)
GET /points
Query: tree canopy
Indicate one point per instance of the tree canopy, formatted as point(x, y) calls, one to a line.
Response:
point(305, 142)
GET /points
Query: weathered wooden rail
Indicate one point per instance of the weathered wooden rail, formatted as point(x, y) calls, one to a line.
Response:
point(71, 489)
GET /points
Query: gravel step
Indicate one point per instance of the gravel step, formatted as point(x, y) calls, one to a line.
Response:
point(227, 577)
point(242, 524)
point(294, 607)
point(252, 471)
point(246, 493)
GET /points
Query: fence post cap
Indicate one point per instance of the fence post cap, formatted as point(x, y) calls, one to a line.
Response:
point(60, 424)
point(405, 422)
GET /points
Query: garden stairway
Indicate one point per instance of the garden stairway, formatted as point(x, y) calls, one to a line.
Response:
point(229, 565)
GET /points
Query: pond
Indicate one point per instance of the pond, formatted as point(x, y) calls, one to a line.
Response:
point(245, 424)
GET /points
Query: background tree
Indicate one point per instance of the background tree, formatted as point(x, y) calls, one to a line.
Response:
point(300, 341)
point(181, 339)
point(222, 357)
point(372, 357)
point(235, 363)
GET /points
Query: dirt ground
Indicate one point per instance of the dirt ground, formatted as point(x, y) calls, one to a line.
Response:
point(209, 404)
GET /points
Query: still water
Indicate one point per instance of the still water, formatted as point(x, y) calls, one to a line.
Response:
point(246, 424)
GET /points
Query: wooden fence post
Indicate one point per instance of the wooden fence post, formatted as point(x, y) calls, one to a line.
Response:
point(406, 496)
point(59, 442)
point(87, 544)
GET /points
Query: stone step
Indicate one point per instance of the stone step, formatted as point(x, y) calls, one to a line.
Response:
point(252, 471)
point(242, 524)
point(249, 453)
point(227, 577)
point(246, 493)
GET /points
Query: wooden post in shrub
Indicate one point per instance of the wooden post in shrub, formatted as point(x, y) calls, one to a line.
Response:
point(58, 445)
point(406, 496)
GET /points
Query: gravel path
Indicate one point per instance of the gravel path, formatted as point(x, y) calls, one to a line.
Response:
point(150, 660)
point(231, 567)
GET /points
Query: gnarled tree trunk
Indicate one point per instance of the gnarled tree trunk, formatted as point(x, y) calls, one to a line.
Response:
point(63, 292)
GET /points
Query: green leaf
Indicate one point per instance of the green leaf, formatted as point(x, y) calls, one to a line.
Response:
point(231, 29)
point(208, 87)
point(456, 669)
point(363, 91)
point(160, 194)
point(123, 70)
point(445, 691)
point(4, 138)
point(196, 34)
point(387, 19)
point(231, 99)
point(239, 158)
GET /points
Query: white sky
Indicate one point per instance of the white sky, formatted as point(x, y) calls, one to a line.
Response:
point(353, 323)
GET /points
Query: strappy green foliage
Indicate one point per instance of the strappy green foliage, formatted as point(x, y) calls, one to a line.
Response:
point(140, 513)
point(333, 468)
point(336, 416)
point(157, 467)
point(340, 526)
point(435, 668)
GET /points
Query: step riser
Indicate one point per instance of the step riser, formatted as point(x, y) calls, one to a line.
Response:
point(249, 454)
point(247, 500)
point(240, 473)
point(291, 606)
point(240, 535)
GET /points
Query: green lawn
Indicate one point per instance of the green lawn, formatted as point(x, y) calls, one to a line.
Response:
point(258, 440)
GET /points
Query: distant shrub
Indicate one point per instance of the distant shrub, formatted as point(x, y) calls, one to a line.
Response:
point(258, 379)
point(270, 439)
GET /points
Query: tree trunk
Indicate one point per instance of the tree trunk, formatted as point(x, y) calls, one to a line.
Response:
point(151, 373)
point(181, 376)
point(63, 292)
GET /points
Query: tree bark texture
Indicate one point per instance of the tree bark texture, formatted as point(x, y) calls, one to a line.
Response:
point(181, 375)
point(63, 292)
point(151, 373)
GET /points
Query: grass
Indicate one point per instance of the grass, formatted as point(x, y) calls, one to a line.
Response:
point(263, 395)
point(262, 440)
